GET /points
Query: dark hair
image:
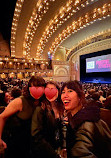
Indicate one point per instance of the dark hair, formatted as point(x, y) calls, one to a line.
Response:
point(77, 87)
point(107, 103)
point(36, 81)
point(58, 102)
point(16, 92)
point(91, 91)
point(96, 96)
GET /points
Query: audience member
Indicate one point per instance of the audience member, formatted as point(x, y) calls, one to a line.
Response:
point(90, 92)
point(7, 97)
point(16, 120)
point(95, 101)
point(102, 99)
point(16, 92)
point(46, 125)
point(107, 103)
point(87, 135)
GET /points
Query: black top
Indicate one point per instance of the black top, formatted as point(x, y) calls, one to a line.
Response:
point(87, 135)
point(46, 134)
point(17, 132)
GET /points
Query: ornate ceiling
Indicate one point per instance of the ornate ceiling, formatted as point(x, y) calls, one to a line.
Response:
point(41, 28)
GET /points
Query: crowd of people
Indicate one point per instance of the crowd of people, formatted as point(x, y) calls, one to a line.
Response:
point(101, 94)
point(41, 118)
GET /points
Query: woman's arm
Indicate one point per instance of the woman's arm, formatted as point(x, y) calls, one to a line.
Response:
point(84, 146)
point(13, 107)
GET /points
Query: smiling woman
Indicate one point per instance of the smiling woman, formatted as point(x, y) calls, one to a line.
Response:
point(71, 100)
point(87, 135)
point(72, 96)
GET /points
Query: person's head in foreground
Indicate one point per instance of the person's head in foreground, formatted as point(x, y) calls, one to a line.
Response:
point(35, 88)
point(72, 96)
point(87, 135)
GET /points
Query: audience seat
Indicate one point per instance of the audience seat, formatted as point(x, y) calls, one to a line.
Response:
point(105, 115)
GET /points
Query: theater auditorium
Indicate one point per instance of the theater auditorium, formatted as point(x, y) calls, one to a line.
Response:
point(59, 40)
point(55, 79)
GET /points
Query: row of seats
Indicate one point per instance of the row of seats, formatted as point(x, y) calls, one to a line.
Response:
point(105, 115)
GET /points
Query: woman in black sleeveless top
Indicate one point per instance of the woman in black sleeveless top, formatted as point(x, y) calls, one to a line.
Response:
point(15, 120)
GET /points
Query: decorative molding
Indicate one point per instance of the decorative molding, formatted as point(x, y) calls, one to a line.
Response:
point(55, 62)
point(61, 70)
point(94, 47)
point(91, 41)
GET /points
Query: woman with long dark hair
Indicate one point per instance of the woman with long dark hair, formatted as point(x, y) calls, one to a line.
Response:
point(46, 124)
point(87, 135)
point(15, 120)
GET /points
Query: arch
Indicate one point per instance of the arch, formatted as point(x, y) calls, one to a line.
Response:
point(61, 70)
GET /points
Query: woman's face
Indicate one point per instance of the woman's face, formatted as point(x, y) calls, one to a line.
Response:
point(70, 99)
point(36, 92)
point(7, 97)
point(51, 92)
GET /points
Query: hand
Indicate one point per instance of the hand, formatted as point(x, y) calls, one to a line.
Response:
point(3, 146)
point(63, 153)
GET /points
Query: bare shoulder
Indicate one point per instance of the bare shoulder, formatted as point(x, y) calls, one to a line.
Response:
point(13, 107)
point(16, 100)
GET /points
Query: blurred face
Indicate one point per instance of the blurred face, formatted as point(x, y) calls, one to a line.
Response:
point(7, 97)
point(51, 92)
point(36, 92)
point(70, 100)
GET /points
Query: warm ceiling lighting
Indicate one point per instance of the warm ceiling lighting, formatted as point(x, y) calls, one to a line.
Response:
point(16, 16)
point(87, 19)
point(64, 14)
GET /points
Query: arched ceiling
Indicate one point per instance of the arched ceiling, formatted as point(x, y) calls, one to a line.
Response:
point(41, 26)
